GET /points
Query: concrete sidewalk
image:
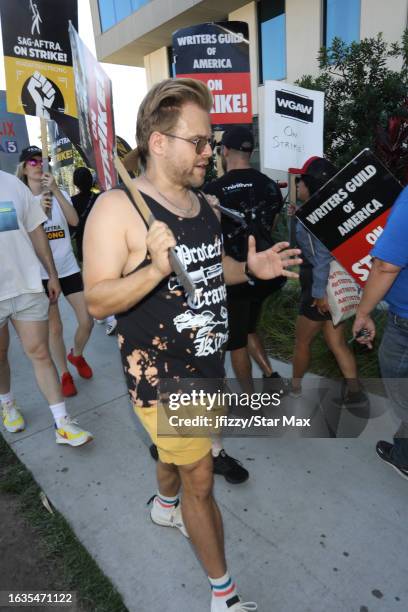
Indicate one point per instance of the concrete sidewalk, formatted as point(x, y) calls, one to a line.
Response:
point(320, 525)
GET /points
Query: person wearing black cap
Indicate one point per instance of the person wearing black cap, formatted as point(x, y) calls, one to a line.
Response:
point(60, 214)
point(23, 244)
point(257, 200)
point(314, 313)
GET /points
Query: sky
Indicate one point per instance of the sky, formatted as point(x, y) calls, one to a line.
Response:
point(128, 84)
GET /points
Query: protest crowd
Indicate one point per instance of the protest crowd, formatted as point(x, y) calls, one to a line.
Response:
point(179, 265)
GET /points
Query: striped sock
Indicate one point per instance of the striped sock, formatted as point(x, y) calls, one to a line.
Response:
point(165, 501)
point(223, 588)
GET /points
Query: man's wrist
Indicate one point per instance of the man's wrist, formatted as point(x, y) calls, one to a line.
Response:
point(251, 277)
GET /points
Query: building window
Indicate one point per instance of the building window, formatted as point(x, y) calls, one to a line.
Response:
point(113, 11)
point(272, 39)
point(341, 20)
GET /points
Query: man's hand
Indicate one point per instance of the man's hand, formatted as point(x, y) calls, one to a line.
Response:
point(54, 289)
point(322, 305)
point(272, 262)
point(364, 321)
point(159, 240)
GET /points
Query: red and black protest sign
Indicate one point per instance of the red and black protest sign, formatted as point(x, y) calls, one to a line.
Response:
point(218, 54)
point(93, 90)
point(37, 56)
point(350, 211)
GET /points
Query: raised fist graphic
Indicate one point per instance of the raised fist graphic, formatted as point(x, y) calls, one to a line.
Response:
point(43, 93)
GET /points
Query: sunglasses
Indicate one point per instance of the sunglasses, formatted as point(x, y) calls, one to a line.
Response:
point(34, 162)
point(199, 143)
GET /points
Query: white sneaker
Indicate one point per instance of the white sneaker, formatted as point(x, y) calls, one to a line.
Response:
point(13, 420)
point(232, 606)
point(68, 432)
point(111, 326)
point(167, 517)
point(99, 321)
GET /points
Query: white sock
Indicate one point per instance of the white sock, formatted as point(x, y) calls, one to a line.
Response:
point(167, 502)
point(110, 319)
point(223, 588)
point(7, 398)
point(216, 447)
point(59, 411)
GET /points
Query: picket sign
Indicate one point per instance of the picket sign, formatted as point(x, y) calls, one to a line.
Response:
point(343, 293)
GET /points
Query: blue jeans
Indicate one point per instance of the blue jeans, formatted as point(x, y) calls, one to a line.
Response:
point(393, 357)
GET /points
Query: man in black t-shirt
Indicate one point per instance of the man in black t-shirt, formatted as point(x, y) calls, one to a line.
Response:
point(256, 201)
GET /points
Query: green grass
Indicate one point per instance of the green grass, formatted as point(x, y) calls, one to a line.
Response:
point(277, 327)
point(80, 572)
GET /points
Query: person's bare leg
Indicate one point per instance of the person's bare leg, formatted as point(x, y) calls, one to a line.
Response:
point(242, 367)
point(56, 339)
point(306, 330)
point(34, 338)
point(336, 342)
point(85, 321)
point(168, 479)
point(4, 364)
point(257, 352)
point(202, 517)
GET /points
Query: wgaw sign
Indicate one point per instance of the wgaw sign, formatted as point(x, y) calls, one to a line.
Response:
point(293, 125)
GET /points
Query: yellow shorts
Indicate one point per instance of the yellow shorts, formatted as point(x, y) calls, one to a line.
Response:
point(178, 450)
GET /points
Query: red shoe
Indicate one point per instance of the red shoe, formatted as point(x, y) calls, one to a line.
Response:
point(79, 362)
point(68, 387)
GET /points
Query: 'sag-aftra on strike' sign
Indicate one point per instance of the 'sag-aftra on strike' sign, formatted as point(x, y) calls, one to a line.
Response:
point(293, 125)
point(350, 211)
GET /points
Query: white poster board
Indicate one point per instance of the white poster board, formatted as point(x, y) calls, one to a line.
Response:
point(293, 123)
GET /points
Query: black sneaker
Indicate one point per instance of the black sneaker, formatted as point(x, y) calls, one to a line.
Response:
point(384, 451)
point(352, 398)
point(275, 382)
point(230, 468)
point(153, 452)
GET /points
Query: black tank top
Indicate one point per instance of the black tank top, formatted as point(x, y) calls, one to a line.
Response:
point(166, 335)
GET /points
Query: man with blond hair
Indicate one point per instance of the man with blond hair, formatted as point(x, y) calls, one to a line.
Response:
point(162, 333)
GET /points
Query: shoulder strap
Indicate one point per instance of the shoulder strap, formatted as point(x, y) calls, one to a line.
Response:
point(122, 187)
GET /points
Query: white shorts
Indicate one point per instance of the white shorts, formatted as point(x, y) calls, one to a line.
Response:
point(25, 307)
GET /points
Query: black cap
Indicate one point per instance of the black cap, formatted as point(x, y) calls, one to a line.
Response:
point(318, 168)
point(29, 153)
point(239, 138)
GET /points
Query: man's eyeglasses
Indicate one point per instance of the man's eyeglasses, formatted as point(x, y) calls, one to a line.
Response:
point(34, 162)
point(199, 143)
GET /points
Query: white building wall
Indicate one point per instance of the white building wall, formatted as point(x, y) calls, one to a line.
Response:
point(303, 37)
point(157, 66)
point(248, 13)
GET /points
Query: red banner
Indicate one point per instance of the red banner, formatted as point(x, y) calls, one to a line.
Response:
point(232, 96)
point(93, 90)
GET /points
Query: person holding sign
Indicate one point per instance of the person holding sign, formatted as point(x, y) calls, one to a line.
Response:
point(314, 314)
point(60, 214)
point(23, 245)
point(388, 279)
point(164, 333)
